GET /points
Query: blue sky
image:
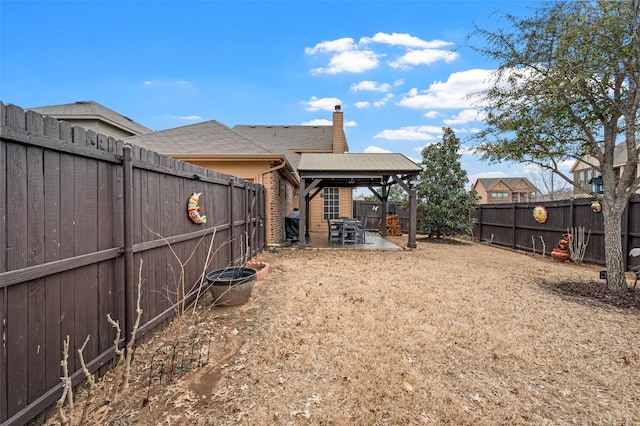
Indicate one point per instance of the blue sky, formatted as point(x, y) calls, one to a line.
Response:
point(399, 69)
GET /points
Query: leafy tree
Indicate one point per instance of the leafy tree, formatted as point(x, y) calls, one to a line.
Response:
point(567, 86)
point(444, 205)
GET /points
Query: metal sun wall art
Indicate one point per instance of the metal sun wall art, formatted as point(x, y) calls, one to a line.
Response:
point(540, 214)
point(193, 208)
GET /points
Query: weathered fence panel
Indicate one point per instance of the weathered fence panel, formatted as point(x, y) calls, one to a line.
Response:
point(370, 211)
point(513, 225)
point(64, 232)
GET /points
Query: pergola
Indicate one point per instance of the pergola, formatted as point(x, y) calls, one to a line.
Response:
point(373, 171)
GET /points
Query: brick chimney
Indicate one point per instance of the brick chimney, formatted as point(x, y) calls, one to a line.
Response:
point(338, 131)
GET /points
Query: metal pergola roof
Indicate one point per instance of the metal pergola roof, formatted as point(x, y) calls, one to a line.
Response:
point(370, 170)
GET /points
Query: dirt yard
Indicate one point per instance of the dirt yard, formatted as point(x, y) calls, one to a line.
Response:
point(459, 334)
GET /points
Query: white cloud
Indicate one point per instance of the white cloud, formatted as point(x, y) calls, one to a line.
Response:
point(467, 150)
point(356, 61)
point(452, 93)
point(466, 116)
point(376, 150)
point(362, 104)
point(321, 104)
point(317, 122)
point(488, 175)
point(348, 56)
point(171, 84)
point(189, 117)
point(325, 122)
point(533, 169)
point(372, 86)
point(431, 114)
point(411, 133)
point(339, 45)
point(565, 165)
point(383, 101)
point(405, 40)
point(423, 57)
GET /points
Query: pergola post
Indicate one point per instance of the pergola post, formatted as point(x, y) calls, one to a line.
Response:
point(413, 217)
point(303, 208)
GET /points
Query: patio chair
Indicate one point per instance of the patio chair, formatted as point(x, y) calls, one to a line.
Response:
point(361, 237)
point(334, 232)
point(349, 232)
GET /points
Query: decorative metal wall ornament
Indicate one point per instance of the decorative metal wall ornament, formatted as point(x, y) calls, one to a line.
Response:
point(193, 207)
point(540, 214)
point(596, 207)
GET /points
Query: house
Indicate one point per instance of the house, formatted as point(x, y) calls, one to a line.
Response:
point(93, 116)
point(265, 154)
point(584, 170)
point(505, 190)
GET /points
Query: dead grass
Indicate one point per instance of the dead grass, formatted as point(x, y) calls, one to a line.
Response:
point(445, 334)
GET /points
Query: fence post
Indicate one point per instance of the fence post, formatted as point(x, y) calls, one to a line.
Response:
point(127, 249)
point(232, 230)
point(571, 212)
point(480, 227)
point(625, 233)
point(513, 226)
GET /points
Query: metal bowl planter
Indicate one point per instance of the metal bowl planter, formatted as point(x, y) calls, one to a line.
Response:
point(231, 286)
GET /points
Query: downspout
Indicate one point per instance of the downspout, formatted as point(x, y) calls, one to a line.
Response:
point(272, 169)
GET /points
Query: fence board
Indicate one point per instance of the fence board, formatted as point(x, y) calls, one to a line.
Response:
point(17, 321)
point(53, 341)
point(512, 225)
point(4, 412)
point(35, 256)
point(3, 260)
point(106, 239)
point(62, 238)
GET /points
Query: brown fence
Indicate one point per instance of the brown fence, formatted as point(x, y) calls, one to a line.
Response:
point(371, 213)
point(78, 211)
point(513, 225)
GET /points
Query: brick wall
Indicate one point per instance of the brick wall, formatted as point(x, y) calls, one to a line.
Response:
point(281, 202)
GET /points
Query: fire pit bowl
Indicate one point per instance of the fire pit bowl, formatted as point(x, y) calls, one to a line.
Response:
point(231, 286)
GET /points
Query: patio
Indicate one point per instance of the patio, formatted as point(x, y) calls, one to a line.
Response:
point(318, 240)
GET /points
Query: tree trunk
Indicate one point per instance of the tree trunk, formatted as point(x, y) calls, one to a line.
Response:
point(616, 279)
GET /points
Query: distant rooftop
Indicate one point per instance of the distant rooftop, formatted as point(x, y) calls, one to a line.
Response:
point(90, 110)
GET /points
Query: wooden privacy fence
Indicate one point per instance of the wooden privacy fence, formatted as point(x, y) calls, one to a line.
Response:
point(78, 211)
point(513, 225)
point(371, 213)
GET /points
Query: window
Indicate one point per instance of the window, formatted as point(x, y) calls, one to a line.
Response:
point(581, 178)
point(331, 203)
point(499, 196)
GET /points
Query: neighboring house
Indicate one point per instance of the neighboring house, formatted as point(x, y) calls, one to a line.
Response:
point(583, 170)
point(268, 155)
point(505, 190)
point(93, 116)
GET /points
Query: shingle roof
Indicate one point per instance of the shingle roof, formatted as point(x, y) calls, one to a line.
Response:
point(209, 137)
point(90, 110)
point(391, 163)
point(488, 183)
point(290, 140)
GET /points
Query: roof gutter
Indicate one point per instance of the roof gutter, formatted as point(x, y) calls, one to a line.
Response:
point(272, 169)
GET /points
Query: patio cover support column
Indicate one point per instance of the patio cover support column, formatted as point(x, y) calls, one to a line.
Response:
point(304, 210)
point(411, 190)
point(412, 218)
